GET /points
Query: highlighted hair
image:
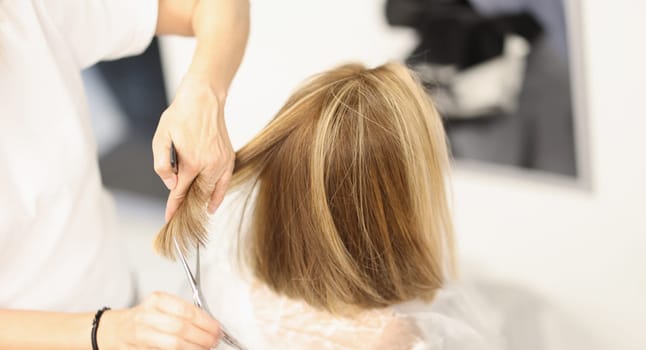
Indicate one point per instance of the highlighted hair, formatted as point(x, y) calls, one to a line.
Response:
point(351, 207)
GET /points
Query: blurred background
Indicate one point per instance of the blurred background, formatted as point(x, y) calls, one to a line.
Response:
point(540, 100)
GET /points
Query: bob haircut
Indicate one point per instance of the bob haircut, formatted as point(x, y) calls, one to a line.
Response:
point(351, 208)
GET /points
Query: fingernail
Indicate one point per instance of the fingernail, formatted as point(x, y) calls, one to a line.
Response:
point(170, 183)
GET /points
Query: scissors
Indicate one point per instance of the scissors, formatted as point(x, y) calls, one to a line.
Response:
point(198, 299)
point(194, 280)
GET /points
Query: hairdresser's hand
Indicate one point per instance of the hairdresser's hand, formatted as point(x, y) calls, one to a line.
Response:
point(161, 322)
point(194, 122)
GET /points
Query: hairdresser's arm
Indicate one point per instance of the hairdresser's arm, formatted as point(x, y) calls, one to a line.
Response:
point(161, 322)
point(194, 122)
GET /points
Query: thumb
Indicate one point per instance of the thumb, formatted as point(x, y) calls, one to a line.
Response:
point(162, 160)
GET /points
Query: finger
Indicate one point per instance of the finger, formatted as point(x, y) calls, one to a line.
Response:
point(182, 328)
point(162, 159)
point(177, 307)
point(162, 341)
point(220, 191)
point(186, 175)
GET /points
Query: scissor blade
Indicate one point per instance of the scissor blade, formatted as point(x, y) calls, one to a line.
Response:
point(197, 294)
point(187, 270)
point(229, 340)
point(197, 264)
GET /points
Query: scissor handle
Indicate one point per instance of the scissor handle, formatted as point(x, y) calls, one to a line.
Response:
point(174, 164)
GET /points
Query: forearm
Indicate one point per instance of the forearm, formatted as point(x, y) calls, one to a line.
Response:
point(27, 330)
point(161, 322)
point(221, 28)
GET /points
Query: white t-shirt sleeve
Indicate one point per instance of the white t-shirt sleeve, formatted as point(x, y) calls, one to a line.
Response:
point(104, 29)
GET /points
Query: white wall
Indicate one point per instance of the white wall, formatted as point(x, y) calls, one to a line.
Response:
point(584, 249)
point(581, 249)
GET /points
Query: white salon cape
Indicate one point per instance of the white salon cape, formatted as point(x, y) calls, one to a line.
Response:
point(58, 245)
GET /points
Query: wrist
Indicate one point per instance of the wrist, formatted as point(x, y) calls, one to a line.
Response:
point(207, 78)
point(107, 333)
point(205, 70)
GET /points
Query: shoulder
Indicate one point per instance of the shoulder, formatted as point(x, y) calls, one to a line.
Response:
point(97, 30)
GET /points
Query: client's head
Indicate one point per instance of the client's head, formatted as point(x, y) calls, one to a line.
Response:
point(351, 206)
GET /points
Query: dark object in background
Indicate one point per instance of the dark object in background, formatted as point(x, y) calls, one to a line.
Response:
point(538, 133)
point(452, 32)
point(137, 84)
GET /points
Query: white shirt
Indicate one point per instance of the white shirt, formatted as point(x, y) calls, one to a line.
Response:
point(58, 246)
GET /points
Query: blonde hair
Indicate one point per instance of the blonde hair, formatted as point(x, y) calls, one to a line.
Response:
point(350, 178)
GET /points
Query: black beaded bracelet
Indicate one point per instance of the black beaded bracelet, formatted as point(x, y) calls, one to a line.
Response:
point(95, 326)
